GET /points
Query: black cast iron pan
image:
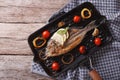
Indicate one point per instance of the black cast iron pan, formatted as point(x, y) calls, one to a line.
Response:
point(99, 21)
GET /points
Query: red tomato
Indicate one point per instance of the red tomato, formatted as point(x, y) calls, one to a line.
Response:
point(46, 34)
point(55, 66)
point(82, 49)
point(76, 19)
point(97, 41)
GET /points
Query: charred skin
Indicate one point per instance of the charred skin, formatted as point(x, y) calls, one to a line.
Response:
point(76, 36)
point(55, 49)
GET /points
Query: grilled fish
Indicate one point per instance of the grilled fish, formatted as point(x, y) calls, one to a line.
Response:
point(61, 44)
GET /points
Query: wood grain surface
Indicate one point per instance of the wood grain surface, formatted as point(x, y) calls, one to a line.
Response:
point(27, 11)
point(18, 19)
point(17, 68)
point(13, 37)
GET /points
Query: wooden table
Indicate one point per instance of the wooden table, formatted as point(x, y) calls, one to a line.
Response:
point(18, 19)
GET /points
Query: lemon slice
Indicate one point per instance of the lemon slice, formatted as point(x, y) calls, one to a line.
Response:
point(61, 36)
point(58, 38)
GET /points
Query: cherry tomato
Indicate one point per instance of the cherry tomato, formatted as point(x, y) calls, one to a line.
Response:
point(55, 66)
point(82, 49)
point(76, 19)
point(46, 34)
point(97, 41)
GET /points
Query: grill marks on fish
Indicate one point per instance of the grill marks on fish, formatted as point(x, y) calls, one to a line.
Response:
point(76, 37)
point(53, 47)
point(73, 36)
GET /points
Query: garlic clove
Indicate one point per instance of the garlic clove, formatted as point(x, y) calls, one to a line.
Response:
point(95, 32)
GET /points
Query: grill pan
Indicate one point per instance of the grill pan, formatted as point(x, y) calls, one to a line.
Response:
point(104, 34)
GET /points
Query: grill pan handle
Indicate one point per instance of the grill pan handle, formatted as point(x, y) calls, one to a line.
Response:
point(94, 75)
point(92, 72)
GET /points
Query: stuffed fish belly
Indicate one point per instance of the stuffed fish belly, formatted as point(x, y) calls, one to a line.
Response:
point(57, 41)
point(66, 39)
